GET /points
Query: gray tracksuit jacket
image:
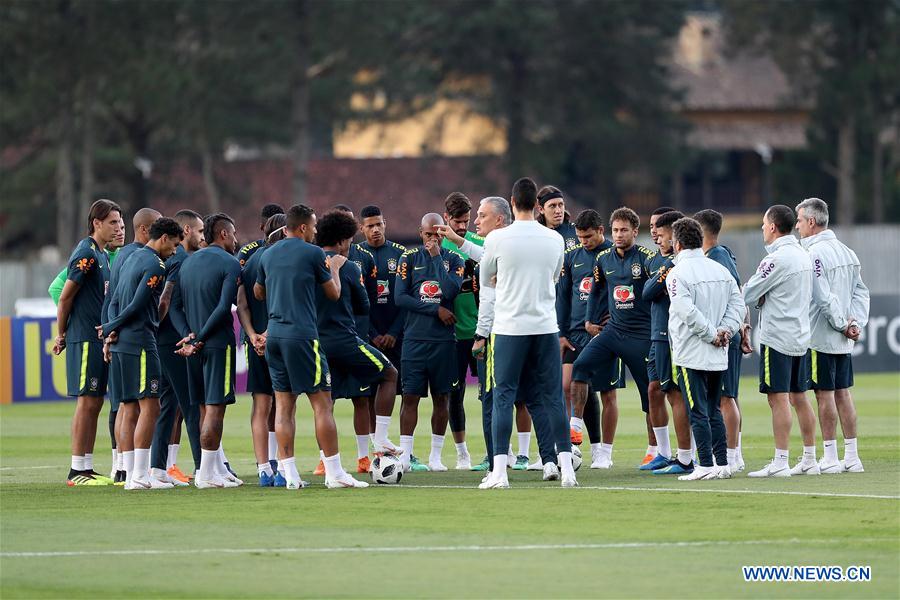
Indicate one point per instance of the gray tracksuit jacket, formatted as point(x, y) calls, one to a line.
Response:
point(704, 298)
point(838, 293)
point(784, 280)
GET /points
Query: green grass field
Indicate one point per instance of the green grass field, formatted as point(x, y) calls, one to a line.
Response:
point(623, 533)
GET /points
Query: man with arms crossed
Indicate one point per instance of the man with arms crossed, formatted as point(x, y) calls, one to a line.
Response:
point(782, 289)
point(526, 260)
point(839, 310)
point(706, 310)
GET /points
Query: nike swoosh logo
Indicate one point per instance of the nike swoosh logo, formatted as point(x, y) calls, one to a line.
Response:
point(807, 469)
point(365, 388)
point(456, 382)
point(578, 265)
point(610, 272)
point(664, 382)
point(614, 382)
point(417, 268)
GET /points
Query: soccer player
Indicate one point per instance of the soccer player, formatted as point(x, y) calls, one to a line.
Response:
point(526, 261)
point(711, 223)
point(355, 365)
point(428, 281)
point(782, 290)
point(621, 272)
point(290, 273)
point(254, 317)
point(131, 331)
point(248, 250)
point(141, 222)
point(77, 316)
point(659, 366)
point(457, 214)
point(174, 398)
point(552, 214)
point(386, 319)
point(706, 310)
point(209, 280)
point(839, 310)
point(572, 293)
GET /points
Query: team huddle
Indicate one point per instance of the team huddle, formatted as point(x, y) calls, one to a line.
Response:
point(546, 311)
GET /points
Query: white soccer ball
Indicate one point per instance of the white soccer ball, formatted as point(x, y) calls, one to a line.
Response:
point(387, 469)
point(576, 458)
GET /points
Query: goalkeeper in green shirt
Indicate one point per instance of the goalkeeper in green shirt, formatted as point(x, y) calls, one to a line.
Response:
point(457, 214)
point(56, 286)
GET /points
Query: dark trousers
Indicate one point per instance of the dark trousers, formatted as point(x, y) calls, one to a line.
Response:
point(464, 362)
point(701, 391)
point(532, 363)
point(174, 395)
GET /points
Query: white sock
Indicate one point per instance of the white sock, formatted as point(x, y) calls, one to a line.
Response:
point(738, 448)
point(322, 456)
point(128, 465)
point(732, 456)
point(141, 464)
point(406, 444)
point(850, 449)
point(273, 446)
point(684, 456)
point(333, 468)
point(362, 446)
point(437, 446)
point(88, 462)
point(281, 467)
point(500, 462)
point(120, 461)
point(809, 453)
point(576, 423)
point(524, 443)
point(222, 456)
point(662, 441)
point(219, 467)
point(77, 463)
point(372, 438)
point(172, 456)
point(694, 449)
point(159, 474)
point(781, 458)
point(652, 450)
point(595, 447)
point(115, 458)
point(830, 451)
point(462, 450)
point(565, 464)
point(382, 423)
point(265, 469)
point(606, 450)
point(510, 456)
point(290, 469)
point(208, 461)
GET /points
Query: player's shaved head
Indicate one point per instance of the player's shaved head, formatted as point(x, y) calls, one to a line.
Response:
point(145, 217)
point(430, 220)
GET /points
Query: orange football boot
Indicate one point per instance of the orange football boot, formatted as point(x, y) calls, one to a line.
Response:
point(363, 465)
point(320, 469)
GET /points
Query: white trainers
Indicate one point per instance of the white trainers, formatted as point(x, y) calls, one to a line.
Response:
point(537, 465)
point(206, 484)
point(724, 472)
point(806, 467)
point(345, 481)
point(510, 460)
point(569, 482)
point(233, 479)
point(437, 467)
point(151, 483)
point(386, 446)
point(601, 462)
point(853, 465)
point(738, 466)
point(166, 478)
point(700, 473)
point(551, 472)
point(494, 482)
point(833, 467)
point(464, 463)
point(296, 485)
point(770, 470)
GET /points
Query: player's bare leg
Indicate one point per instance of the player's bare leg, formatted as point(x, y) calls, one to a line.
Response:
point(326, 435)
point(806, 416)
point(259, 431)
point(847, 413)
point(382, 408)
point(143, 438)
point(440, 417)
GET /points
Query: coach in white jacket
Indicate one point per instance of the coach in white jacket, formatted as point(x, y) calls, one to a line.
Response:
point(782, 289)
point(706, 311)
point(839, 309)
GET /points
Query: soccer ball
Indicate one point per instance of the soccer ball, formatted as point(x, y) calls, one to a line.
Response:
point(576, 458)
point(387, 469)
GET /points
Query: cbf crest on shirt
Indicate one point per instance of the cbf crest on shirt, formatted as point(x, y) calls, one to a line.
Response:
point(423, 284)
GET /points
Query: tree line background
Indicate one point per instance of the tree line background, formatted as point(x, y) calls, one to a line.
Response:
point(97, 94)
